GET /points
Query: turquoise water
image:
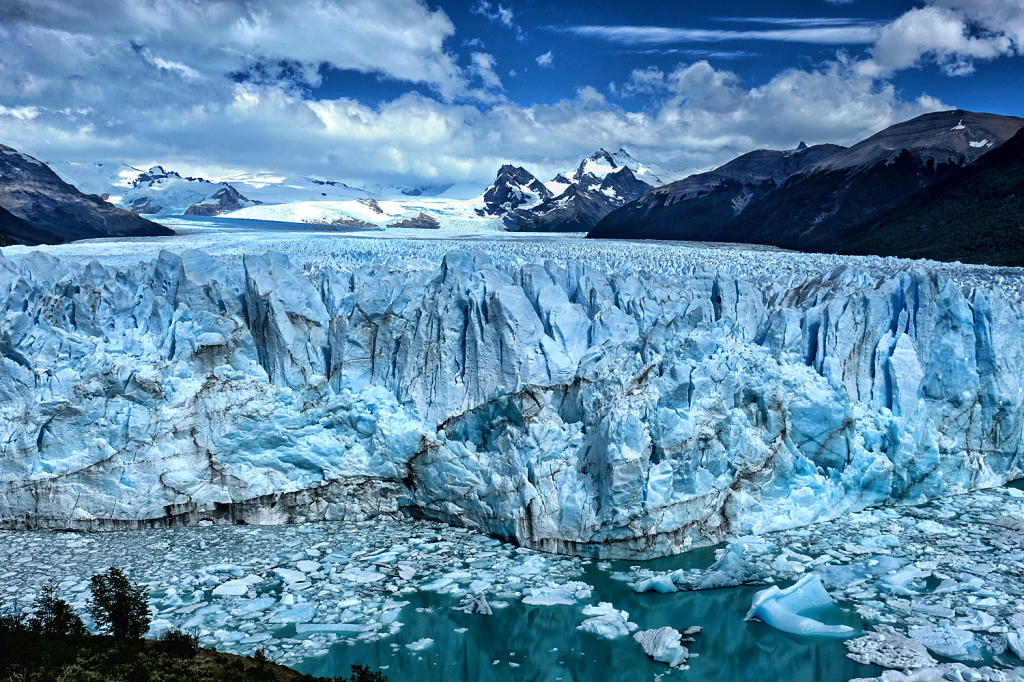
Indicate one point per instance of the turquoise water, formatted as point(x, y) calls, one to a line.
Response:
point(541, 643)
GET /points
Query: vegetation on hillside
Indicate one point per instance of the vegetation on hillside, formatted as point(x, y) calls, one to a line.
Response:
point(52, 644)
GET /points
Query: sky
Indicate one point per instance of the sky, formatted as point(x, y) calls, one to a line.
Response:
point(410, 93)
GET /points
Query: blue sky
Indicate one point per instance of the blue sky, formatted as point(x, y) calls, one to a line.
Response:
point(579, 58)
point(413, 93)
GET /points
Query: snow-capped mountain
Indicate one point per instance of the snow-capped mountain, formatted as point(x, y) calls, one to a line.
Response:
point(581, 206)
point(40, 208)
point(602, 162)
point(513, 188)
point(826, 205)
point(571, 201)
point(163, 192)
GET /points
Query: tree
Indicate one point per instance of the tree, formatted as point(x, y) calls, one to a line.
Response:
point(362, 673)
point(119, 607)
point(54, 617)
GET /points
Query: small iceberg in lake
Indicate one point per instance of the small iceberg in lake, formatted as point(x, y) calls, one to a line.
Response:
point(782, 608)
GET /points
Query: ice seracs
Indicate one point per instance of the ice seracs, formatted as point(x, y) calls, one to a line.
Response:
point(634, 413)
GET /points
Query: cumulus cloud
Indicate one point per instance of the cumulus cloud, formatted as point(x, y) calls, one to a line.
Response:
point(483, 65)
point(546, 60)
point(938, 33)
point(401, 39)
point(223, 86)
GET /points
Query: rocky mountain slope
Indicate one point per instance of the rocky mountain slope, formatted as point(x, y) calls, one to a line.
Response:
point(703, 207)
point(825, 205)
point(50, 211)
point(570, 202)
point(975, 216)
point(563, 407)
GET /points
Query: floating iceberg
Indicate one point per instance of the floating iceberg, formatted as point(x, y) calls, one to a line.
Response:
point(663, 645)
point(606, 621)
point(782, 608)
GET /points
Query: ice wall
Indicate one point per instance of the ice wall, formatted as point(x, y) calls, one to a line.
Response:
point(572, 410)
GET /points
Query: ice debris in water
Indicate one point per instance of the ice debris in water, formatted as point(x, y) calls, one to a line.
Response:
point(782, 608)
point(944, 578)
point(663, 644)
point(606, 621)
point(352, 591)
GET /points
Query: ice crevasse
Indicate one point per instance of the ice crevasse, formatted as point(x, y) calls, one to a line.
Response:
point(564, 408)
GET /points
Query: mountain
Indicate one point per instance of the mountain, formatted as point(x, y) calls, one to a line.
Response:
point(828, 204)
point(160, 191)
point(703, 207)
point(513, 188)
point(975, 216)
point(576, 202)
point(582, 205)
point(50, 211)
point(224, 200)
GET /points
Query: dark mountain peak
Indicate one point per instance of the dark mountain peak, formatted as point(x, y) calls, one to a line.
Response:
point(954, 137)
point(560, 178)
point(513, 188)
point(802, 146)
point(157, 174)
point(595, 165)
point(224, 200)
point(50, 211)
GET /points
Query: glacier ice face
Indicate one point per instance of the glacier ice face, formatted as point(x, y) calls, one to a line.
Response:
point(559, 406)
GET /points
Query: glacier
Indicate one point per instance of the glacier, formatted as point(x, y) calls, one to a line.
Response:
point(557, 404)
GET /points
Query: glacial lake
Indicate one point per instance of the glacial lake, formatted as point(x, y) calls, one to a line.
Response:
point(190, 570)
point(542, 643)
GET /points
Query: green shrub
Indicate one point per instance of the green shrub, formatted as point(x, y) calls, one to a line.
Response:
point(361, 673)
point(181, 642)
point(54, 617)
point(119, 607)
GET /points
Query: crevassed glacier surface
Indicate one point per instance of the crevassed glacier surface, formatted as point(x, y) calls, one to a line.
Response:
point(563, 404)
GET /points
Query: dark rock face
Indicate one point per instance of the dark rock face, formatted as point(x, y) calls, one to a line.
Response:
point(825, 199)
point(223, 200)
point(353, 222)
point(831, 204)
point(582, 205)
point(512, 188)
point(702, 207)
point(53, 212)
point(975, 216)
point(424, 221)
point(371, 204)
point(145, 206)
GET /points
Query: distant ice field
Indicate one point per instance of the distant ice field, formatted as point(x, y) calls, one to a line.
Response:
point(307, 245)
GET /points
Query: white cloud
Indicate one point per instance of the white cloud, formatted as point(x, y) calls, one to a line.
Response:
point(855, 33)
point(499, 15)
point(401, 39)
point(483, 64)
point(145, 81)
point(938, 33)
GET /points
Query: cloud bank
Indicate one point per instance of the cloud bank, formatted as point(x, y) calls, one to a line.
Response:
point(222, 86)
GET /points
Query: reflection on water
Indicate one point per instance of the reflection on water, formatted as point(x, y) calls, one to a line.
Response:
point(541, 643)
